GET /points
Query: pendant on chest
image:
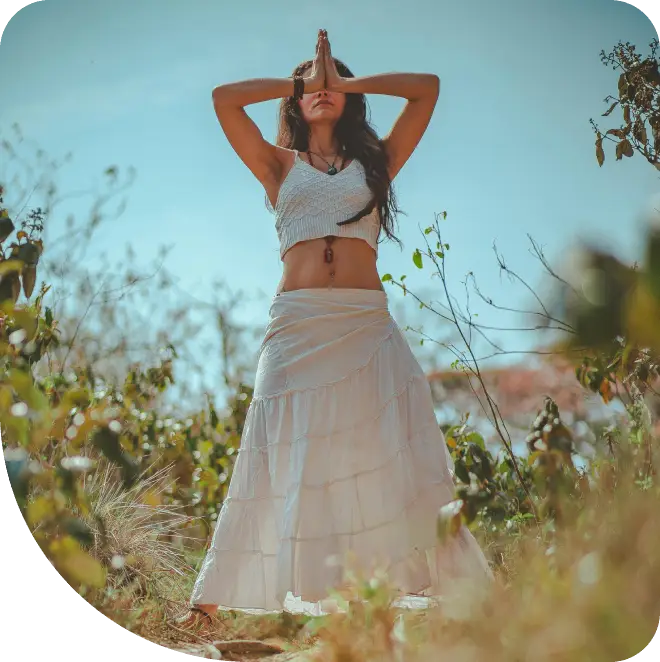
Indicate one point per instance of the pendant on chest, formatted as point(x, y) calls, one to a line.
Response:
point(332, 170)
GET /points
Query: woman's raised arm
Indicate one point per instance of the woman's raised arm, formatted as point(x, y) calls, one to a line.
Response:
point(260, 156)
point(421, 91)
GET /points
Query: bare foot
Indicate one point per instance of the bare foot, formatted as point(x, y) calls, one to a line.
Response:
point(198, 616)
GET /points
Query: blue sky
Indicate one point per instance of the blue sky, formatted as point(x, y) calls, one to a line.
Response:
point(508, 152)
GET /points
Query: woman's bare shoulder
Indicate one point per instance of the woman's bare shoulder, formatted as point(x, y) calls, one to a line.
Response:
point(286, 158)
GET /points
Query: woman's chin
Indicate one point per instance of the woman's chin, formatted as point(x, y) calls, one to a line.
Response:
point(324, 113)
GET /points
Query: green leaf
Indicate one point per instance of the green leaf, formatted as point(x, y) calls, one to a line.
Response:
point(67, 480)
point(6, 227)
point(462, 472)
point(77, 529)
point(653, 263)
point(477, 439)
point(81, 568)
point(29, 253)
point(130, 469)
point(402, 278)
point(29, 278)
point(10, 267)
point(107, 441)
point(417, 258)
point(39, 510)
point(23, 384)
point(10, 288)
point(214, 416)
point(428, 230)
point(386, 277)
point(440, 254)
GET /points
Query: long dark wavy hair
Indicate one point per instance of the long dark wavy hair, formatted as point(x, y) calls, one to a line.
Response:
point(358, 140)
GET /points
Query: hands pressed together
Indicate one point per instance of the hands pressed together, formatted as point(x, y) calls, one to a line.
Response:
point(324, 74)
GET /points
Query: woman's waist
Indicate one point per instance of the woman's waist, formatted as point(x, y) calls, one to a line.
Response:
point(311, 250)
point(314, 279)
point(316, 315)
point(316, 264)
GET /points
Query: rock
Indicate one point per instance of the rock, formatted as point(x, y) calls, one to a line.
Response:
point(248, 647)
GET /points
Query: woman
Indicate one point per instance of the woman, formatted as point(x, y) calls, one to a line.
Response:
point(341, 452)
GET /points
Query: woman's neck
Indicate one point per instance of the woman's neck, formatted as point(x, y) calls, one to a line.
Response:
point(322, 141)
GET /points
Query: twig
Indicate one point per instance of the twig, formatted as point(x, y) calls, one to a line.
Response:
point(473, 367)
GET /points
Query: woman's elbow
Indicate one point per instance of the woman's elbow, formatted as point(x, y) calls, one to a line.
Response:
point(434, 83)
point(216, 94)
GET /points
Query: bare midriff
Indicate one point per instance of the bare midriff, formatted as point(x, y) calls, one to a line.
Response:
point(330, 262)
point(326, 262)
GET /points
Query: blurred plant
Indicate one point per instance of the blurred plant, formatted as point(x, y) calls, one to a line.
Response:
point(488, 491)
point(550, 445)
point(106, 481)
point(599, 579)
point(113, 314)
point(18, 261)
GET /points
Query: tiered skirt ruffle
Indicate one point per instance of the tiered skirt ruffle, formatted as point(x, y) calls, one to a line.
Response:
point(341, 454)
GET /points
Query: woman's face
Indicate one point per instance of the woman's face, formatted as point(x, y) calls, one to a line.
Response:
point(322, 106)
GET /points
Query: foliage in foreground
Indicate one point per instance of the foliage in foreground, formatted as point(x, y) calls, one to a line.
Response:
point(594, 594)
point(110, 489)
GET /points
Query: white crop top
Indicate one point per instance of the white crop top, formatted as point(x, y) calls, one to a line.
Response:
point(311, 202)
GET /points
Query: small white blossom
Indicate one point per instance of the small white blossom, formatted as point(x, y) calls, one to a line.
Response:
point(118, 562)
point(115, 426)
point(589, 569)
point(19, 410)
point(17, 337)
point(77, 463)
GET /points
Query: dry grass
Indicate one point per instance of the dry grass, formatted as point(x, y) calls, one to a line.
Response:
point(142, 541)
point(592, 594)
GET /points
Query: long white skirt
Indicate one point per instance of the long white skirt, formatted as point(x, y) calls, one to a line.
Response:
point(341, 454)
